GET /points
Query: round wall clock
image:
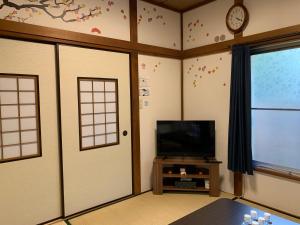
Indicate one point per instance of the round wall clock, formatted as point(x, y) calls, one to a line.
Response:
point(237, 18)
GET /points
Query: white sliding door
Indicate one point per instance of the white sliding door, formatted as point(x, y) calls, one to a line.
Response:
point(29, 155)
point(95, 110)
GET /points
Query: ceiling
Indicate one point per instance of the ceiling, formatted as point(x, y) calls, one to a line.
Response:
point(179, 5)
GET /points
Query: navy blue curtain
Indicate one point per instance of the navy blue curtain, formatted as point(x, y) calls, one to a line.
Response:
point(239, 137)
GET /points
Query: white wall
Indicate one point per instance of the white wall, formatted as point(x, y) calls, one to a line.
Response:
point(163, 78)
point(108, 18)
point(206, 24)
point(206, 97)
point(279, 193)
point(158, 26)
point(266, 15)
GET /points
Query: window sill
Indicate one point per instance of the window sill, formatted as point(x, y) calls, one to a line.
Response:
point(277, 173)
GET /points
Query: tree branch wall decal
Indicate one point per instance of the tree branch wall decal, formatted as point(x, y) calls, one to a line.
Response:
point(65, 10)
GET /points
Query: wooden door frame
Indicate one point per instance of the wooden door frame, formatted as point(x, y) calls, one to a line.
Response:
point(133, 59)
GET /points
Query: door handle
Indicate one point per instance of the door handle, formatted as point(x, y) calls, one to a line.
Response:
point(125, 133)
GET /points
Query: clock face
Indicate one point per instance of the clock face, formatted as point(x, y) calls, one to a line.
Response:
point(237, 18)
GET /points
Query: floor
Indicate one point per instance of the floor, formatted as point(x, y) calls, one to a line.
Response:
point(149, 209)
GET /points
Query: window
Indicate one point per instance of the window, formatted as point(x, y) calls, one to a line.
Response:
point(98, 112)
point(275, 93)
point(19, 117)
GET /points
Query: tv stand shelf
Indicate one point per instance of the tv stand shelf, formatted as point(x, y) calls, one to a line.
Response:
point(166, 172)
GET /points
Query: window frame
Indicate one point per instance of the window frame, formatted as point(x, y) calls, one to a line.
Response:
point(115, 80)
point(37, 118)
point(262, 167)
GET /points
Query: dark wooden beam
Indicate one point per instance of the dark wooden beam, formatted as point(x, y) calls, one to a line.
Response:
point(277, 173)
point(194, 6)
point(157, 51)
point(46, 33)
point(51, 35)
point(208, 49)
point(268, 36)
point(205, 2)
point(135, 110)
point(135, 123)
point(161, 4)
point(182, 72)
point(133, 21)
point(238, 184)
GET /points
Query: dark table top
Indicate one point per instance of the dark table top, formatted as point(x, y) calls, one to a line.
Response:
point(225, 212)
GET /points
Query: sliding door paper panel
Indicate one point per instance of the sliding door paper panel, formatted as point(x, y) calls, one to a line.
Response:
point(95, 109)
point(29, 153)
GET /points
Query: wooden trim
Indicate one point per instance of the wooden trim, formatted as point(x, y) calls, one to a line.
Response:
point(19, 115)
point(268, 36)
point(277, 173)
point(11, 29)
point(181, 30)
point(59, 131)
point(46, 33)
point(182, 90)
point(208, 49)
point(162, 5)
point(116, 102)
point(271, 208)
point(197, 5)
point(133, 21)
point(135, 123)
point(194, 6)
point(134, 88)
point(145, 49)
point(38, 141)
point(181, 70)
point(52, 221)
point(1, 136)
point(238, 34)
point(238, 184)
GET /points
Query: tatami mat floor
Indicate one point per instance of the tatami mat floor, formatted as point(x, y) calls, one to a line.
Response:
point(149, 209)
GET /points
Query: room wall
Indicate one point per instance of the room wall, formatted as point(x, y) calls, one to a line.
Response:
point(161, 78)
point(269, 15)
point(264, 16)
point(206, 97)
point(279, 193)
point(206, 25)
point(158, 26)
point(108, 18)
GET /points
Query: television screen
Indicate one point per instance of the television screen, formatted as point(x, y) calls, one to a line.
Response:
point(186, 138)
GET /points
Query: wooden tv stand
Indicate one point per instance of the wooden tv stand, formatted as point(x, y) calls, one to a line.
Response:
point(166, 173)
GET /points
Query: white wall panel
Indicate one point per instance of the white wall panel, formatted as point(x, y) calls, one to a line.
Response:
point(163, 103)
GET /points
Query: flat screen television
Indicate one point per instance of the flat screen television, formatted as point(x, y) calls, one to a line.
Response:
point(186, 138)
